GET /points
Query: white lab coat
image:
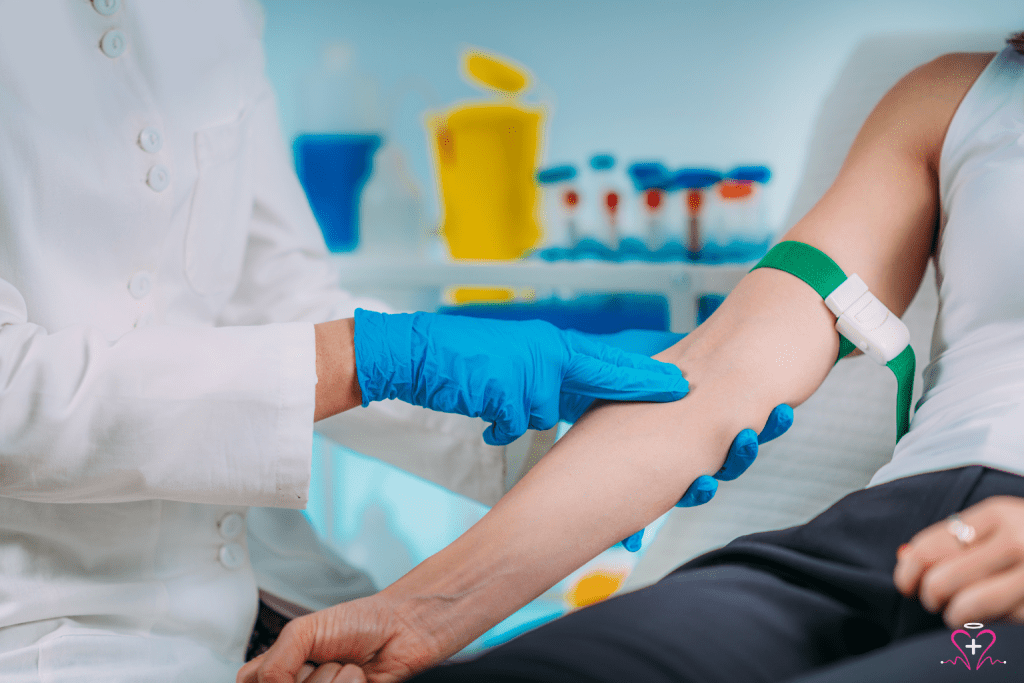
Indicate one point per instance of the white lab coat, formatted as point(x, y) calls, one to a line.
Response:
point(159, 273)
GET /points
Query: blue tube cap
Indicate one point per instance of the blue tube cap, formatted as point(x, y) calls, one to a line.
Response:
point(556, 174)
point(649, 174)
point(602, 162)
point(754, 174)
point(695, 178)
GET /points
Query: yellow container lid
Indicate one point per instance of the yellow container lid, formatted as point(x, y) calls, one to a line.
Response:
point(494, 72)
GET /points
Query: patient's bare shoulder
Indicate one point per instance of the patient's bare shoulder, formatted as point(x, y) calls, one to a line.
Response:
point(878, 218)
point(948, 77)
point(927, 98)
point(959, 69)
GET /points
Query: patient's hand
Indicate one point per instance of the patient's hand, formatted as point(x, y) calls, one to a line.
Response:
point(364, 640)
point(980, 580)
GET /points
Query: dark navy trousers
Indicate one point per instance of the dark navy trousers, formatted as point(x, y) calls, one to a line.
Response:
point(810, 604)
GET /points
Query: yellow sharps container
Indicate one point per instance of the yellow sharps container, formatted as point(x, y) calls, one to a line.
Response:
point(486, 154)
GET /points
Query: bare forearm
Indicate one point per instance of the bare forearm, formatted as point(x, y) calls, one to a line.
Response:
point(625, 464)
point(337, 385)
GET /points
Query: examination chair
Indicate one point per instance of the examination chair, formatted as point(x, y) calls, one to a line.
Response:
point(847, 429)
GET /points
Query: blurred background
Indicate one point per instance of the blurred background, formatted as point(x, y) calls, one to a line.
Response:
point(603, 165)
point(695, 83)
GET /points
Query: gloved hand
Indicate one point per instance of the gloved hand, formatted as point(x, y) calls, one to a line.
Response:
point(742, 452)
point(644, 342)
point(509, 373)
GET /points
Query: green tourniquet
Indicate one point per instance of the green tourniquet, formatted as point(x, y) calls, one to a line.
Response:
point(814, 267)
point(811, 265)
point(903, 366)
point(846, 347)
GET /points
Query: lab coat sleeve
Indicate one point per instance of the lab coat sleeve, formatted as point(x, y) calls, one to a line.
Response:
point(193, 414)
point(287, 275)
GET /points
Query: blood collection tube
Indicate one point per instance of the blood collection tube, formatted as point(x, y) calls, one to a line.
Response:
point(651, 181)
point(692, 184)
point(561, 204)
point(608, 191)
point(743, 220)
point(570, 208)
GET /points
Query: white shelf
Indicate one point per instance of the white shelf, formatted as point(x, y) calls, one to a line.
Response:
point(681, 283)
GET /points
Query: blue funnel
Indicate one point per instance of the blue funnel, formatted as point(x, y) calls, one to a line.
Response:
point(333, 169)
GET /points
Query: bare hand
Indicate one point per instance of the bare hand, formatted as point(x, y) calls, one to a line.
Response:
point(363, 641)
point(980, 580)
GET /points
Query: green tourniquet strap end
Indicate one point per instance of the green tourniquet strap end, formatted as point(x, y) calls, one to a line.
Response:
point(903, 366)
point(811, 265)
point(846, 347)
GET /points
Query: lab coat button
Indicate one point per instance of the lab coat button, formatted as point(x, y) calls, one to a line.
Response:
point(150, 140)
point(106, 7)
point(141, 284)
point(113, 43)
point(232, 555)
point(158, 178)
point(231, 526)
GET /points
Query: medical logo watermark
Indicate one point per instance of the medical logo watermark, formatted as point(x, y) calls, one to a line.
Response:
point(981, 640)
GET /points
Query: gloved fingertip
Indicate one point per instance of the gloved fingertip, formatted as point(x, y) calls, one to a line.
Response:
point(742, 454)
point(699, 492)
point(663, 367)
point(633, 543)
point(493, 436)
point(746, 439)
point(659, 389)
point(572, 406)
point(676, 389)
point(779, 422)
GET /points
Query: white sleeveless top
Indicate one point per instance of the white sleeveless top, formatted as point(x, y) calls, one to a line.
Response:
point(972, 409)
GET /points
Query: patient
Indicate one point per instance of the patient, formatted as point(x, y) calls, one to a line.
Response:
point(864, 591)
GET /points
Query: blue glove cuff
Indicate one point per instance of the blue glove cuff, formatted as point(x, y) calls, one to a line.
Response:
point(383, 345)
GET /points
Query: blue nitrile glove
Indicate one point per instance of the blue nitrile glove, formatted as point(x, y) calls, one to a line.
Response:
point(644, 342)
point(510, 373)
point(742, 452)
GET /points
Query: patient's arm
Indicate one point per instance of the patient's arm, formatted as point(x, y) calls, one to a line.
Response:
point(772, 341)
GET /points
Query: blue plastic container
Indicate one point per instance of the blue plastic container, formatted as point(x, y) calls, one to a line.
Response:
point(708, 304)
point(333, 168)
point(593, 313)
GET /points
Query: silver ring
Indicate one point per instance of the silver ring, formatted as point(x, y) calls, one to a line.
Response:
point(962, 532)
